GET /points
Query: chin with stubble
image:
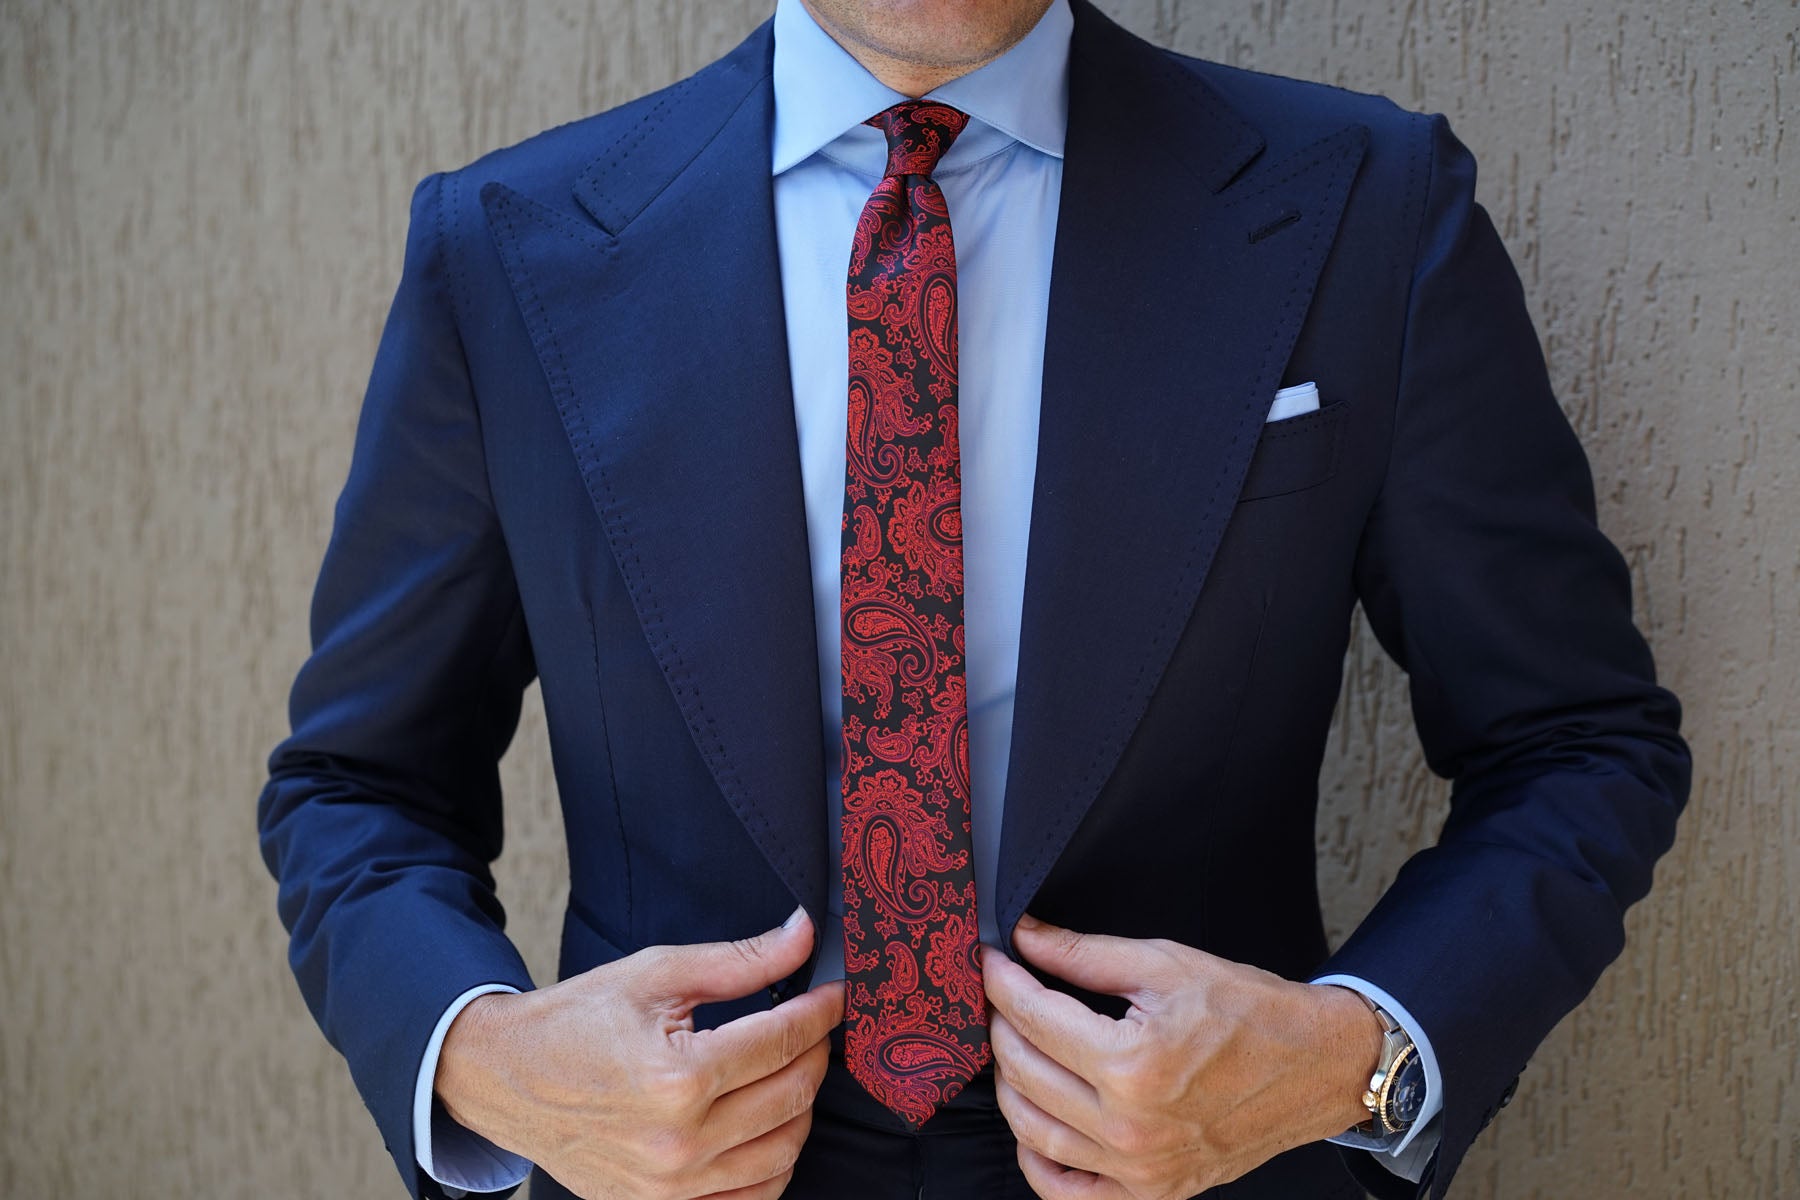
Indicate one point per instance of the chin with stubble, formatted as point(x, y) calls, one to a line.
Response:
point(916, 45)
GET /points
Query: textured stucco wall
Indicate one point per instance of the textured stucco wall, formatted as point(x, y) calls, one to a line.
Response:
point(201, 212)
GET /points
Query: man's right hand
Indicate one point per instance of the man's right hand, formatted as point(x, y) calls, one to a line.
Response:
point(603, 1081)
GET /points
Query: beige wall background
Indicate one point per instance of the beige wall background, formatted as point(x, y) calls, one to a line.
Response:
point(202, 206)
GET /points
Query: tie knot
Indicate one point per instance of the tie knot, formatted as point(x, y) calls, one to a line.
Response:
point(918, 134)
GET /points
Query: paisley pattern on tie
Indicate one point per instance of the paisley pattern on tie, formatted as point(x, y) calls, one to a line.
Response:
point(915, 1014)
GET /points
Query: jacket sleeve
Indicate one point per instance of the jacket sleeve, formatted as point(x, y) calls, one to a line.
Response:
point(1484, 575)
point(381, 815)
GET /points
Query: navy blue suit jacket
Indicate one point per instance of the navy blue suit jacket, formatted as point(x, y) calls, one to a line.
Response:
point(577, 462)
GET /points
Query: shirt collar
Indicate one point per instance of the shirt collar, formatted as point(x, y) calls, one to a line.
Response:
point(822, 93)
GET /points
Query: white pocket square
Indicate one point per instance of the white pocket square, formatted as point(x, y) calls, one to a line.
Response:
point(1294, 401)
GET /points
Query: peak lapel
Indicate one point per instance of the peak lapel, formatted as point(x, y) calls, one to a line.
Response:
point(1179, 286)
point(661, 333)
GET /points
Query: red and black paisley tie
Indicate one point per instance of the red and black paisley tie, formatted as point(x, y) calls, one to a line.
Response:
point(916, 1018)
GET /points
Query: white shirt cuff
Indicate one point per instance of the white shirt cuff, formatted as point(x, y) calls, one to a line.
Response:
point(1405, 1154)
point(460, 1159)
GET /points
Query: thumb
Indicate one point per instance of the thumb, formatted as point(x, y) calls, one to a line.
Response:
point(1114, 966)
point(686, 976)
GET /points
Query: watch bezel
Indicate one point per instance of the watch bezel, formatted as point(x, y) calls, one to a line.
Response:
point(1401, 1065)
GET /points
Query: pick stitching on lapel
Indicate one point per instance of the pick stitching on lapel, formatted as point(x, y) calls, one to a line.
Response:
point(662, 336)
point(1170, 322)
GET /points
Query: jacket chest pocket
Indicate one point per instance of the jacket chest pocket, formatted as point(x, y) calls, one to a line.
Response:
point(1295, 454)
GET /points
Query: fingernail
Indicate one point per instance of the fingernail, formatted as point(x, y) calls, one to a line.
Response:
point(1027, 921)
point(795, 917)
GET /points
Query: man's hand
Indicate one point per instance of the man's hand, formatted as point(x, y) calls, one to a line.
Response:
point(1215, 1068)
point(602, 1080)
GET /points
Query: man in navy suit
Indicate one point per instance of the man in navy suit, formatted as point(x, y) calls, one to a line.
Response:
point(1236, 353)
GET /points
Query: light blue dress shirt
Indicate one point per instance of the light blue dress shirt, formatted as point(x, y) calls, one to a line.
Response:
point(1002, 180)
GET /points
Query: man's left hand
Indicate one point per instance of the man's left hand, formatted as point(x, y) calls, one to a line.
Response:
point(1215, 1068)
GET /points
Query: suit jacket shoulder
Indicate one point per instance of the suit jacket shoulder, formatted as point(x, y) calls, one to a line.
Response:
point(1295, 114)
point(610, 161)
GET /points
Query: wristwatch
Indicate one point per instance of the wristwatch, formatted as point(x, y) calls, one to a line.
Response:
point(1397, 1089)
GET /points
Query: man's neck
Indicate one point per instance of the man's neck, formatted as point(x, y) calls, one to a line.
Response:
point(906, 76)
